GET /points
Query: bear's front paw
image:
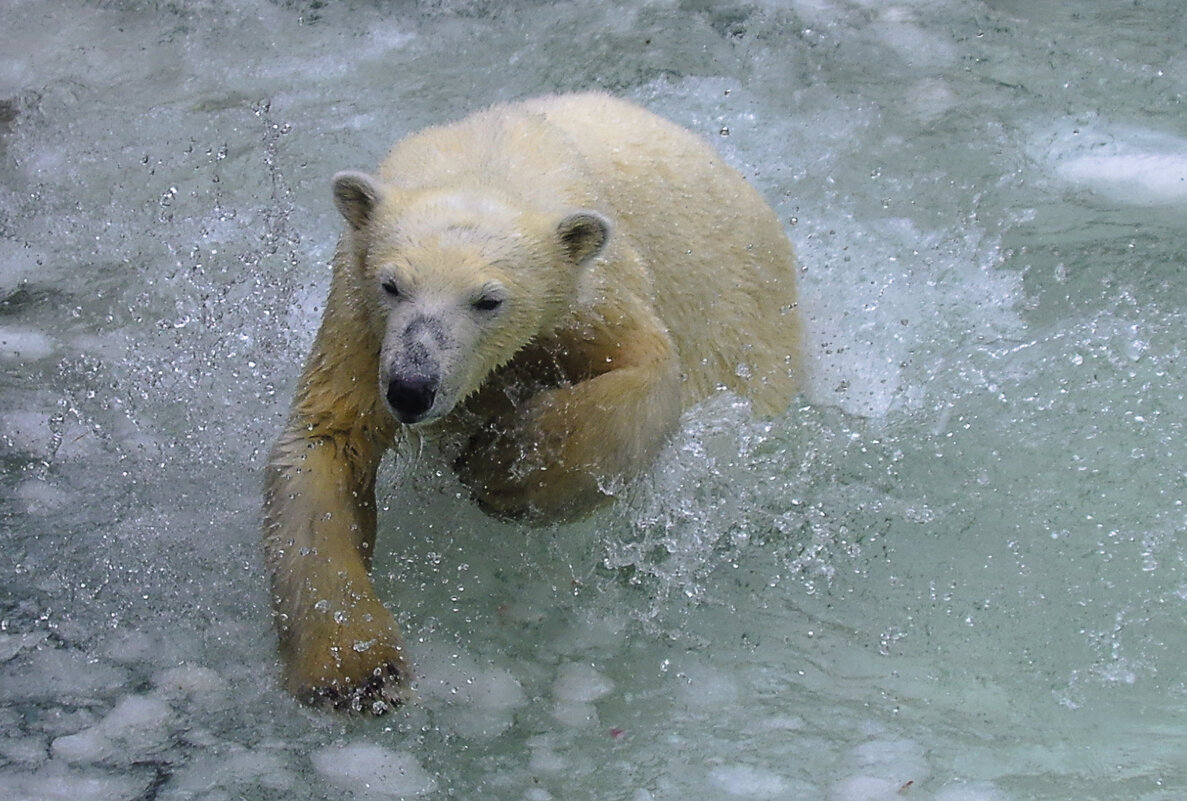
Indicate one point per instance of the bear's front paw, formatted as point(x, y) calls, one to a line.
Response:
point(525, 491)
point(348, 668)
point(375, 694)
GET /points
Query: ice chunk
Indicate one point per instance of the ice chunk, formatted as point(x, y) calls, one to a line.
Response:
point(883, 768)
point(13, 644)
point(39, 497)
point(24, 345)
point(576, 687)
point(704, 686)
point(373, 772)
point(60, 675)
point(867, 788)
point(575, 715)
point(188, 680)
point(29, 750)
point(544, 757)
point(236, 772)
point(53, 783)
point(138, 726)
point(1136, 166)
point(902, 760)
point(747, 781)
point(970, 791)
point(474, 699)
point(580, 683)
point(27, 431)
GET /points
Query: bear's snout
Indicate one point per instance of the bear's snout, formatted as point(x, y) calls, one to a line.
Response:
point(411, 397)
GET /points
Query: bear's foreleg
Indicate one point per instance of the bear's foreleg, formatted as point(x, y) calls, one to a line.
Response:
point(340, 645)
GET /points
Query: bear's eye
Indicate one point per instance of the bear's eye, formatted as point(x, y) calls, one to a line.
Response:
point(389, 287)
point(488, 304)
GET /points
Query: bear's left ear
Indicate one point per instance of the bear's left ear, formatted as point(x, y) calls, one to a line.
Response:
point(356, 195)
point(582, 234)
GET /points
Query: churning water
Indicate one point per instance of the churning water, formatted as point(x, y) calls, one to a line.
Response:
point(954, 571)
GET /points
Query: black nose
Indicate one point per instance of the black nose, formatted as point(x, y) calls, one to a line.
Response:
point(412, 397)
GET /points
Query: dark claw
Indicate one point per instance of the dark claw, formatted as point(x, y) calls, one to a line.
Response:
point(379, 694)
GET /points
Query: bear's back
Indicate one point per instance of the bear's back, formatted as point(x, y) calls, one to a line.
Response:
point(721, 267)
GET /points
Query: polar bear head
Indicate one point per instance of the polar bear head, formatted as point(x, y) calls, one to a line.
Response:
point(460, 280)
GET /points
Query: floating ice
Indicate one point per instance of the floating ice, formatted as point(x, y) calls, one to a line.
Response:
point(902, 760)
point(373, 772)
point(900, 30)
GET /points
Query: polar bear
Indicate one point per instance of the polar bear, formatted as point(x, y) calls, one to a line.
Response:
point(542, 288)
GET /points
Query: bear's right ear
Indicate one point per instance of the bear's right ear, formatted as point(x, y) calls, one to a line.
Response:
point(356, 195)
point(582, 234)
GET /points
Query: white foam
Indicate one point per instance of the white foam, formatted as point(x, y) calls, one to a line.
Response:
point(373, 772)
point(866, 322)
point(1130, 165)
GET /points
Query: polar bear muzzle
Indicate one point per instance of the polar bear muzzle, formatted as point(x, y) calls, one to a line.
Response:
point(411, 397)
point(412, 371)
